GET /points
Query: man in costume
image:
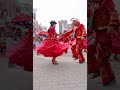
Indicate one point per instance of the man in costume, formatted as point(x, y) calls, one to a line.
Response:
point(78, 30)
point(103, 19)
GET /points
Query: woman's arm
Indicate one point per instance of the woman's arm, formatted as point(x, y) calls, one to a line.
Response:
point(66, 34)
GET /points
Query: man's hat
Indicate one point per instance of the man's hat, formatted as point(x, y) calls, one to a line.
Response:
point(75, 19)
point(53, 22)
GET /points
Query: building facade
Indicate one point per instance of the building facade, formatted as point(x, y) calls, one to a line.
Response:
point(34, 13)
point(26, 8)
point(69, 27)
point(44, 28)
point(62, 26)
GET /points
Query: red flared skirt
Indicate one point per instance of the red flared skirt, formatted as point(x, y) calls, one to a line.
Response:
point(52, 48)
point(22, 53)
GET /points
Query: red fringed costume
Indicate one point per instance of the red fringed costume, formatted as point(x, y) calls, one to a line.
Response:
point(78, 45)
point(92, 63)
point(116, 42)
point(73, 49)
point(104, 15)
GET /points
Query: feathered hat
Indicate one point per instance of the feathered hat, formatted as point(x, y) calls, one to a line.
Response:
point(75, 19)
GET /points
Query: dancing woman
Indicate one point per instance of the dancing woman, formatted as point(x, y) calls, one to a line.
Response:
point(51, 47)
point(21, 53)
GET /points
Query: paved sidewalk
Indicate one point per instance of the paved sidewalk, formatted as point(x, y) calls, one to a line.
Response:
point(14, 78)
point(67, 75)
point(97, 85)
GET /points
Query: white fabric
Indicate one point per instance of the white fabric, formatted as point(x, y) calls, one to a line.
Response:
point(37, 44)
point(75, 19)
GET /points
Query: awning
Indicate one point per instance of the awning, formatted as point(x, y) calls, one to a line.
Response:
point(22, 17)
point(42, 33)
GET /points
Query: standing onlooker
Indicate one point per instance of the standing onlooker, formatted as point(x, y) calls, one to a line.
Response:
point(9, 43)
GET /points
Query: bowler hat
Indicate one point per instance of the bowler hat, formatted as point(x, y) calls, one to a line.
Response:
point(53, 22)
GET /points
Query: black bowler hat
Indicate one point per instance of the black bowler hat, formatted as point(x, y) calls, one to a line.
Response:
point(53, 22)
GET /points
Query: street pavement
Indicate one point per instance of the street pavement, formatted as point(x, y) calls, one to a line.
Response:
point(67, 75)
point(96, 84)
point(14, 78)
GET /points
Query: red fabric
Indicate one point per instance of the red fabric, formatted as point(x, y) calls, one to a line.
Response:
point(67, 33)
point(93, 64)
point(102, 17)
point(42, 33)
point(72, 40)
point(74, 52)
point(2, 46)
point(107, 74)
point(66, 40)
point(79, 43)
point(84, 33)
point(79, 31)
point(76, 47)
point(103, 12)
point(104, 39)
point(80, 57)
point(52, 33)
point(79, 47)
point(51, 47)
point(116, 43)
point(21, 17)
point(22, 53)
point(84, 43)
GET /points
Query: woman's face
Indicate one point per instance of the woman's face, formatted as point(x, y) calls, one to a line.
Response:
point(54, 25)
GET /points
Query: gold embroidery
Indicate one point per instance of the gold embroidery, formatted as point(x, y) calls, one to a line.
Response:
point(102, 27)
point(79, 37)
